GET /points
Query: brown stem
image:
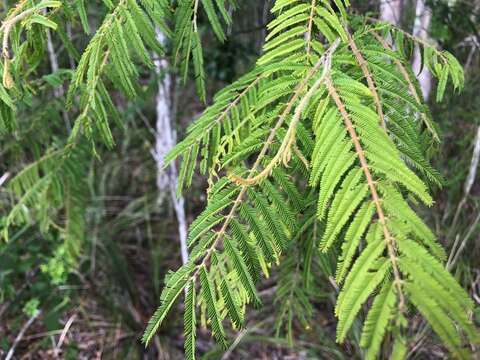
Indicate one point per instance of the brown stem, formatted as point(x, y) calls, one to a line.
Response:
point(371, 84)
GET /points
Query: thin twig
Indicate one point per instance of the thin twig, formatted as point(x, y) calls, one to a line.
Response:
point(21, 333)
point(64, 332)
point(195, 14)
point(235, 343)
point(7, 26)
point(472, 174)
point(4, 178)
point(284, 152)
point(454, 260)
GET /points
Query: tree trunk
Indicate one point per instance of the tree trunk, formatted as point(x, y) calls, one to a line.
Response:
point(165, 140)
point(391, 11)
point(58, 91)
point(423, 17)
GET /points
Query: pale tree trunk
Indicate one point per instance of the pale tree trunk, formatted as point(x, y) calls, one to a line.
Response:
point(471, 40)
point(58, 91)
point(391, 11)
point(423, 16)
point(165, 140)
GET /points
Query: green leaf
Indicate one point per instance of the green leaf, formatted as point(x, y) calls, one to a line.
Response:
point(82, 12)
point(442, 84)
point(209, 297)
point(214, 20)
point(42, 20)
point(190, 323)
point(48, 4)
point(436, 317)
point(175, 283)
point(376, 324)
point(242, 271)
point(232, 304)
point(352, 239)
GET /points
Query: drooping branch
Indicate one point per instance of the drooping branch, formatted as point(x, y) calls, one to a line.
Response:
point(248, 181)
point(389, 239)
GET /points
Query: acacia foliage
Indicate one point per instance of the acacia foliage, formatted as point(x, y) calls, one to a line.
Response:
point(336, 105)
point(324, 140)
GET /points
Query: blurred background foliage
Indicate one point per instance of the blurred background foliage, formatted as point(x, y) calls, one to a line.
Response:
point(97, 306)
